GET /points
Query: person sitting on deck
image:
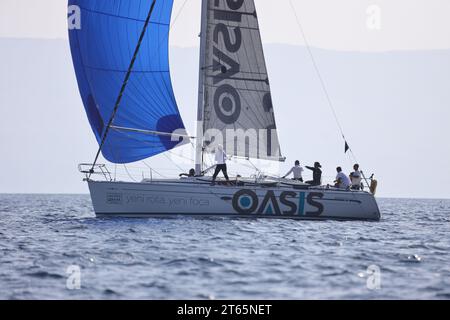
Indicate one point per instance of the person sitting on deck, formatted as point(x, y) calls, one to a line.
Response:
point(342, 181)
point(221, 164)
point(297, 171)
point(317, 174)
point(189, 175)
point(356, 178)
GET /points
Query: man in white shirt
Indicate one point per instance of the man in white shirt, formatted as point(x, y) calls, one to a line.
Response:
point(297, 171)
point(356, 177)
point(221, 163)
point(342, 181)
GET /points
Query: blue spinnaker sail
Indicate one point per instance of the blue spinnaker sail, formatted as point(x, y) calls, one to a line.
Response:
point(102, 47)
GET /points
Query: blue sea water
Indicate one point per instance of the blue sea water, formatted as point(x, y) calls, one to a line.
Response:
point(42, 236)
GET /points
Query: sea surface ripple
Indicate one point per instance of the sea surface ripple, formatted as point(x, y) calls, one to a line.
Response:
point(42, 236)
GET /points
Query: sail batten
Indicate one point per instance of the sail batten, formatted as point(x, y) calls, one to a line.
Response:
point(237, 102)
point(102, 50)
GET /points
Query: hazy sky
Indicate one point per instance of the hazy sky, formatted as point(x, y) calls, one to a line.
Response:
point(330, 24)
point(402, 97)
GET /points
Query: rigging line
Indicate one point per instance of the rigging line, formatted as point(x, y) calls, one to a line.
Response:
point(178, 14)
point(152, 169)
point(124, 85)
point(171, 25)
point(180, 156)
point(169, 151)
point(128, 173)
point(161, 41)
point(152, 132)
point(173, 162)
point(322, 82)
point(119, 16)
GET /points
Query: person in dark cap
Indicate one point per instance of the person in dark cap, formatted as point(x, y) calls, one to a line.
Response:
point(356, 178)
point(317, 174)
point(189, 175)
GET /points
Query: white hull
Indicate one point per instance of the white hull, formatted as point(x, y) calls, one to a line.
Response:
point(196, 197)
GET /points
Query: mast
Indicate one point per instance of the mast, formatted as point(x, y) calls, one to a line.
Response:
point(201, 98)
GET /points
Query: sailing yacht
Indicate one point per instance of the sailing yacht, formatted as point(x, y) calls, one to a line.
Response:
point(121, 60)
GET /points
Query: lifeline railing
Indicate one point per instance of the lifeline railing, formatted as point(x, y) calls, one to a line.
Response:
point(98, 169)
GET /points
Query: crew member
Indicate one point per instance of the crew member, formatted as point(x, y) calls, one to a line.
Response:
point(221, 163)
point(297, 171)
point(317, 174)
point(356, 178)
point(342, 181)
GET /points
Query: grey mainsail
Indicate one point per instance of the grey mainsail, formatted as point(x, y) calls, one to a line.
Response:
point(236, 100)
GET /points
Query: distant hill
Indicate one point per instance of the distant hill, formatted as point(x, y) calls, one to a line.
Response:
point(393, 106)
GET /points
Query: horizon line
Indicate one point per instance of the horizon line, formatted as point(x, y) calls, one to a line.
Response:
point(264, 44)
